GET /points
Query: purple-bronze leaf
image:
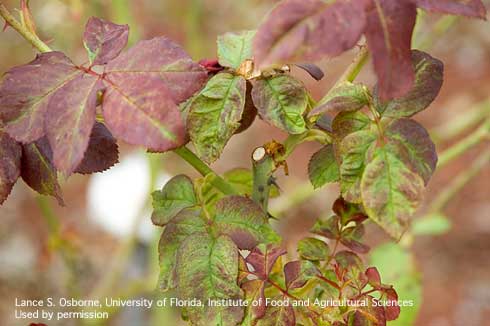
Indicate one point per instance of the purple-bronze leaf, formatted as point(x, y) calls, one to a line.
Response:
point(244, 222)
point(299, 30)
point(262, 258)
point(429, 74)
point(26, 91)
point(351, 238)
point(70, 121)
point(139, 109)
point(102, 151)
point(389, 32)
point(104, 40)
point(421, 155)
point(392, 310)
point(471, 8)
point(38, 170)
point(297, 273)
point(10, 154)
point(159, 58)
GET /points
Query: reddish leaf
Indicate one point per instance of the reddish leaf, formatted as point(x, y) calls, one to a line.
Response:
point(211, 65)
point(104, 40)
point(38, 170)
point(26, 92)
point(370, 315)
point(263, 258)
point(348, 212)
point(102, 151)
point(308, 30)
point(471, 8)
point(374, 279)
point(329, 228)
point(70, 121)
point(393, 309)
point(297, 273)
point(249, 112)
point(351, 238)
point(139, 110)
point(421, 155)
point(10, 153)
point(161, 59)
point(244, 221)
point(389, 32)
point(429, 74)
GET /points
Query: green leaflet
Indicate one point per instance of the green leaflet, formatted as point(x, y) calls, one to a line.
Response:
point(313, 249)
point(346, 97)
point(176, 195)
point(353, 150)
point(420, 150)
point(244, 221)
point(235, 48)
point(398, 268)
point(207, 268)
point(428, 82)
point(282, 101)
point(323, 167)
point(346, 123)
point(242, 180)
point(215, 114)
point(186, 223)
point(391, 192)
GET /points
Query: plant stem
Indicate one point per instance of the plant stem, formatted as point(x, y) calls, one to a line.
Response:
point(263, 167)
point(355, 67)
point(30, 37)
point(459, 182)
point(465, 144)
point(205, 170)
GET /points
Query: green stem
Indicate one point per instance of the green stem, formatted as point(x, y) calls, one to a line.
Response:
point(459, 182)
point(355, 67)
point(465, 144)
point(205, 170)
point(263, 168)
point(30, 37)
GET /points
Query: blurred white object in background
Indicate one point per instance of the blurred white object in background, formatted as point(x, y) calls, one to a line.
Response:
point(120, 197)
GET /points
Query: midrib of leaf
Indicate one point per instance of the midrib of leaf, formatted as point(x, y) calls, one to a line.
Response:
point(284, 117)
point(390, 182)
point(43, 161)
point(41, 98)
point(162, 129)
point(227, 99)
point(242, 49)
point(81, 110)
point(386, 33)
